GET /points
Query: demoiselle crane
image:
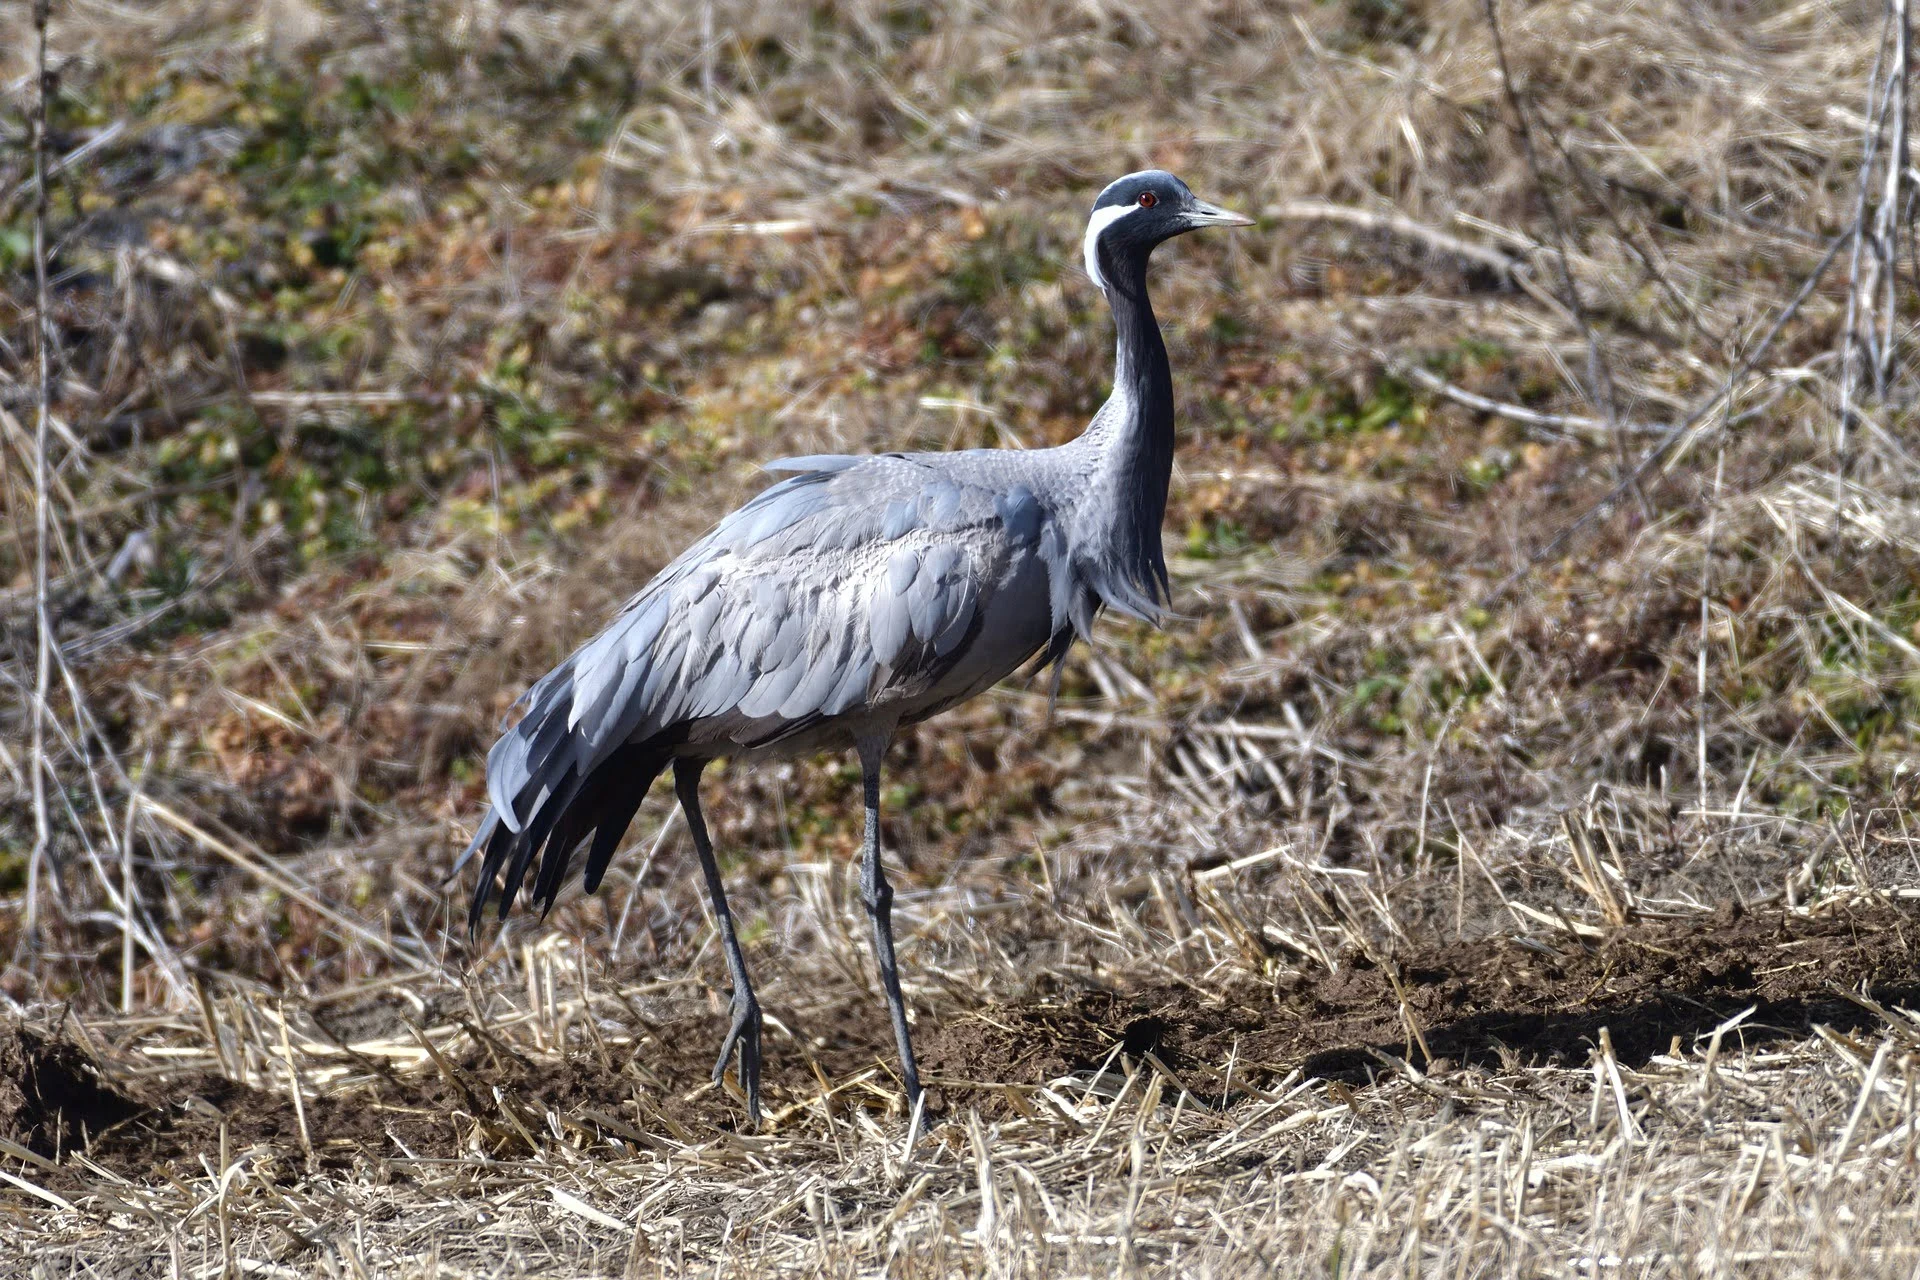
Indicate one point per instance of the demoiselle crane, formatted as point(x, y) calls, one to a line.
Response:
point(860, 594)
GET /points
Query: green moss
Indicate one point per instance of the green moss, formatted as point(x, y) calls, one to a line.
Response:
point(16, 247)
point(13, 871)
point(1226, 328)
point(1000, 262)
point(1487, 469)
point(1211, 537)
point(1324, 411)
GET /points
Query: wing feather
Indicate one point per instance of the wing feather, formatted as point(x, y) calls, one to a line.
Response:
point(608, 669)
point(788, 641)
point(823, 671)
point(614, 821)
point(771, 689)
point(890, 625)
point(958, 605)
point(816, 462)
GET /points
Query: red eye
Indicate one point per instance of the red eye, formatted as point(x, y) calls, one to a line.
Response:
point(1148, 199)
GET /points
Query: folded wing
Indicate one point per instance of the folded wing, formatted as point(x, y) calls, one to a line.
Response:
point(840, 592)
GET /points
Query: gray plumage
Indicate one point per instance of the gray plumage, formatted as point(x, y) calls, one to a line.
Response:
point(857, 595)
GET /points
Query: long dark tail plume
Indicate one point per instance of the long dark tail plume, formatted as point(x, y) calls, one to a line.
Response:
point(564, 809)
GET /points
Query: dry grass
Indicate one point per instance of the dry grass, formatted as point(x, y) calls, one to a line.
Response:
point(1540, 603)
point(1735, 1150)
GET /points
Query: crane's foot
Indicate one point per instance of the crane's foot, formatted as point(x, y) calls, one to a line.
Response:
point(745, 1032)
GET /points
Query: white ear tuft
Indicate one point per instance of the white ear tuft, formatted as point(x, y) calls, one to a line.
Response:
point(1096, 226)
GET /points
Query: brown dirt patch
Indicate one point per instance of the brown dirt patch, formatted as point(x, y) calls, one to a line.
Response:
point(430, 1116)
point(495, 1096)
point(52, 1098)
point(1493, 1003)
point(55, 1097)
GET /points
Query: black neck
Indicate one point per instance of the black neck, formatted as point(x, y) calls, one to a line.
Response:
point(1139, 440)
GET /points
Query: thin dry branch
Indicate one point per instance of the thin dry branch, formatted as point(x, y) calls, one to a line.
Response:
point(1398, 224)
point(1881, 230)
point(1600, 386)
point(1558, 423)
point(44, 640)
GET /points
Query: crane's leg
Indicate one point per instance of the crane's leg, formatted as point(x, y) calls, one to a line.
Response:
point(878, 895)
point(745, 1030)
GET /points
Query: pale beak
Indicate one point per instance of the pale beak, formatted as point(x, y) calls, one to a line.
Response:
point(1203, 214)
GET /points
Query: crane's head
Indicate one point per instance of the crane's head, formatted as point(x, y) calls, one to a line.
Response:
point(1138, 212)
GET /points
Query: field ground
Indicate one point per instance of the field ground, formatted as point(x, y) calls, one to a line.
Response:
point(1503, 866)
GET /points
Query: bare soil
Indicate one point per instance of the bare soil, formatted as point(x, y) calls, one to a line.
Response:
point(496, 1099)
point(1495, 1004)
point(51, 1096)
point(1492, 1003)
